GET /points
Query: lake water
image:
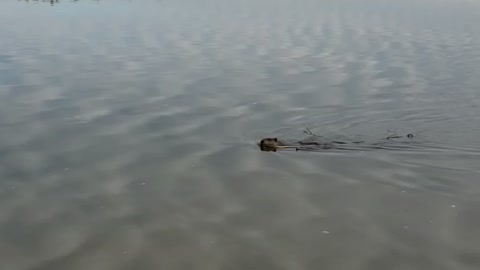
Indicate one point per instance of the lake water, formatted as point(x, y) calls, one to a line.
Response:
point(128, 134)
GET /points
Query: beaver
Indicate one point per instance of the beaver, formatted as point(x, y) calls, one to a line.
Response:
point(272, 144)
point(313, 144)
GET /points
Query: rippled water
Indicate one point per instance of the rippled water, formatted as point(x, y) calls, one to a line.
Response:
point(128, 131)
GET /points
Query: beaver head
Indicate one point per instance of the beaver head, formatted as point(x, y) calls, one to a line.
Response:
point(269, 144)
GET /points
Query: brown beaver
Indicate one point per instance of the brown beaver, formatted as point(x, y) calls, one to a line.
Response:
point(272, 144)
point(313, 144)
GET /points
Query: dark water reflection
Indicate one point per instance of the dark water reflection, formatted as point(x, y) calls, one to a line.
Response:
point(128, 134)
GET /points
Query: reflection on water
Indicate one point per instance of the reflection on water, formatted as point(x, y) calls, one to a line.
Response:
point(128, 134)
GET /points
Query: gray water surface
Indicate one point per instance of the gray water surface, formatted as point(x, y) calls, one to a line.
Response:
point(128, 131)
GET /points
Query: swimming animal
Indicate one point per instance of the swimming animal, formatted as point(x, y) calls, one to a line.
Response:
point(272, 144)
point(314, 144)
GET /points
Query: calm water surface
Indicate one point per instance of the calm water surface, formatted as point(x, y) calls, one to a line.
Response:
point(128, 131)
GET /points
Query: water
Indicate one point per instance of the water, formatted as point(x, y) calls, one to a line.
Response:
point(128, 133)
